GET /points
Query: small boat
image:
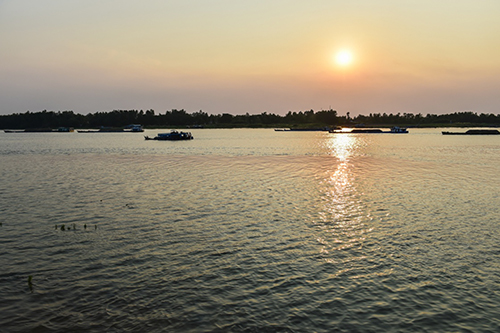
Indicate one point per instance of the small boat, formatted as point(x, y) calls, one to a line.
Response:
point(398, 130)
point(475, 132)
point(134, 128)
point(172, 136)
point(65, 130)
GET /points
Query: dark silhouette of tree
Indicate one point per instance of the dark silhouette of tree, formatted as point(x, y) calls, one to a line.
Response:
point(327, 117)
point(176, 118)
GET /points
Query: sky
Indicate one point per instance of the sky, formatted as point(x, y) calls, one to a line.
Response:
point(237, 57)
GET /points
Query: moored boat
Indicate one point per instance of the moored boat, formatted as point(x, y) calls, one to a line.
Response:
point(474, 132)
point(43, 130)
point(398, 130)
point(317, 129)
point(393, 130)
point(305, 129)
point(134, 128)
point(367, 130)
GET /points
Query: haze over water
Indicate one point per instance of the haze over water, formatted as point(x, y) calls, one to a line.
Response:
point(249, 230)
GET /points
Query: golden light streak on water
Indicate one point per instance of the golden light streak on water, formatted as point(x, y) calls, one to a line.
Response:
point(250, 230)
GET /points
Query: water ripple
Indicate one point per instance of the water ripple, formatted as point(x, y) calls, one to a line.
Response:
point(344, 234)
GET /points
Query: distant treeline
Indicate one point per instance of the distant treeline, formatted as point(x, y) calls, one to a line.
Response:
point(180, 118)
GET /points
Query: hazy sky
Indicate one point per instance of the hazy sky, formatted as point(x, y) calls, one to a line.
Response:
point(234, 56)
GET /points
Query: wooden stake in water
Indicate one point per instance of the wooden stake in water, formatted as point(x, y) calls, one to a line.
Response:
point(30, 283)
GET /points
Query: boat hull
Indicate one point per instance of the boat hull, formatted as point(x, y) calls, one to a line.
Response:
point(474, 132)
point(394, 130)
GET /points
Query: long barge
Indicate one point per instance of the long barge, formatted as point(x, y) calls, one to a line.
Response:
point(474, 132)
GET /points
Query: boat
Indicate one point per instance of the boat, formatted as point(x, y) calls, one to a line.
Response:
point(103, 130)
point(172, 136)
point(474, 132)
point(317, 129)
point(43, 130)
point(134, 128)
point(314, 129)
point(393, 130)
point(366, 130)
point(65, 130)
point(398, 130)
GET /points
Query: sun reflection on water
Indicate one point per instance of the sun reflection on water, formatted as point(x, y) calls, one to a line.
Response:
point(342, 213)
point(342, 145)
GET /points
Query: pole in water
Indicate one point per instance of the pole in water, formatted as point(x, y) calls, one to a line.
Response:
point(30, 284)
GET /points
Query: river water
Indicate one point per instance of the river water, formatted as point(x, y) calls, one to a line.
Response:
point(249, 230)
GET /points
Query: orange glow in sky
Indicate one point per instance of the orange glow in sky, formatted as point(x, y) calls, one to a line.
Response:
point(231, 57)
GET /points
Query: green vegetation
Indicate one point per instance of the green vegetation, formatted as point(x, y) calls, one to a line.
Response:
point(180, 118)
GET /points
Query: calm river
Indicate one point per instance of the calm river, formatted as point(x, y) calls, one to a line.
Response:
point(250, 230)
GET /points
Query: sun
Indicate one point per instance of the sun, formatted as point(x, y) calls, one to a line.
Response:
point(344, 58)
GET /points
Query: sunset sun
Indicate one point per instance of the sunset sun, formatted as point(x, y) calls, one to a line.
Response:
point(344, 58)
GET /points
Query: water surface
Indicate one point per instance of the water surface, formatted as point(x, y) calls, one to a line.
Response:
point(249, 230)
